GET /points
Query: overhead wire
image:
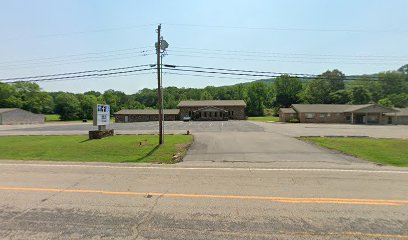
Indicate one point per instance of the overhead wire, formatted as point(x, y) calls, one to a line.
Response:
point(280, 53)
point(278, 60)
point(269, 28)
point(290, 56)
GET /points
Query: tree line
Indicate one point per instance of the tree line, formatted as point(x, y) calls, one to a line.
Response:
point(331, 87)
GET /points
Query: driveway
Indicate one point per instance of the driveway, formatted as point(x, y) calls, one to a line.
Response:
point(267, 147)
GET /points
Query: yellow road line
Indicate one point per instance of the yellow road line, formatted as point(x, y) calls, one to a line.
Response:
point(266, 198)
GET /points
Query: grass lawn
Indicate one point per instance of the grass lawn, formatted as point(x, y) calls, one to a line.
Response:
point(385, 151)
point(264, 119)
point(56, 118)
point(52, 117)
point(126, 148)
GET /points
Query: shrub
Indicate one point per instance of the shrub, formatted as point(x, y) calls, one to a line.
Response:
point(295, 120)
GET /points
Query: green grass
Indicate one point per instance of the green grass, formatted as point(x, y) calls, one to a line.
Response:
point(127, 148)
point(385, 151)
point(264, 119)
point(56, 118)
point(52, 117)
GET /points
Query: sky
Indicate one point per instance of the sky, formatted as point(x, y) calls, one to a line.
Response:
point(290, 36)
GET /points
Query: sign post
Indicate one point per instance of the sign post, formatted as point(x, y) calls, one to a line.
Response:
point(101, 118)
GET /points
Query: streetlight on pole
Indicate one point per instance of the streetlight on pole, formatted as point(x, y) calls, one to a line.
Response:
point(161, 45)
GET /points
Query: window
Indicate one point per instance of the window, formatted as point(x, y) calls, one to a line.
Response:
point(310, 115)
point(215, 114)
point(232, 113)
point(348, 118)
point(322, 115)
point(328, 115)
point(205, 114)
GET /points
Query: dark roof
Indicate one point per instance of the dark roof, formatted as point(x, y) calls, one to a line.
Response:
point(400, 112)
point(146, 111)
point(287, 110)
point(4, 110)
point(204, 108)
point(336, 108)
point(214, 103)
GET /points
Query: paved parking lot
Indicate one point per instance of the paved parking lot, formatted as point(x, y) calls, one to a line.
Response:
point(310, 129)
point(241, 142)
point(131, 128)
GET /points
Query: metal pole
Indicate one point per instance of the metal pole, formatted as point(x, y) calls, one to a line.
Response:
point(159, 86)
point(162, 93)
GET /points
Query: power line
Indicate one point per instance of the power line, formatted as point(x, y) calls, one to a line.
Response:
point(208, 76)
point(93, 77)
point(76, 55)
point(185, 69)
point(79, 76)
point(268, 28)
point(252, 73)
point(296, 54)
point(291, 56)
point(86, 32)
point(73, 73)
point(278, 60)
point(65, 62)
point(246, 71)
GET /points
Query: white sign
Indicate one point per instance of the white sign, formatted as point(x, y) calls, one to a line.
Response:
point(101, 115)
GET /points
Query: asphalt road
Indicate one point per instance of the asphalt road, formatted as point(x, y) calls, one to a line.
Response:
point(290, 130)
point(113, 201)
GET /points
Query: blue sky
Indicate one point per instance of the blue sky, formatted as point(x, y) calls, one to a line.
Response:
point(355, 36)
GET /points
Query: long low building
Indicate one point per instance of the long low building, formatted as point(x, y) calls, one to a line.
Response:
point(145, 115)
point(211, 110)
point(399, 117)
point(11, 116)
point(337, 113)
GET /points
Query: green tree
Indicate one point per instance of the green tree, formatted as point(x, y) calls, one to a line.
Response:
point(8, 96)
point(403, 69)
point(287, 90)
point(399, 100)
point(359, 95)
point(392, 83)
point(385, 102)
point(67, 106)
point(205, 95)
point(317, 91)
point(87, 103)
point(335, 79)
point(257, 96)
point(340, 97)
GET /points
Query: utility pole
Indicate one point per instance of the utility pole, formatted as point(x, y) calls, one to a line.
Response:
point(159, 93)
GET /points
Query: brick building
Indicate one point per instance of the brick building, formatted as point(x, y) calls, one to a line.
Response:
point(210, 110)
point(19, 116)
point(145, 115)
point(398, 117)
point(336, 113)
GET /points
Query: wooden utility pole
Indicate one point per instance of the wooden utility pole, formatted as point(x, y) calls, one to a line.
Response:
point(159, 93)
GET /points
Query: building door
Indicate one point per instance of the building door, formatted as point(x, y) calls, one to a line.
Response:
point(126, 119)
point(389, 120)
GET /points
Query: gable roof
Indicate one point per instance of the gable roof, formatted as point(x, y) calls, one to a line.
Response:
point(399, 112)
point(2, 110)
point(287, 110)
point(214, 103)
point(338, 108)
point(146, 111)
point(211, 107)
